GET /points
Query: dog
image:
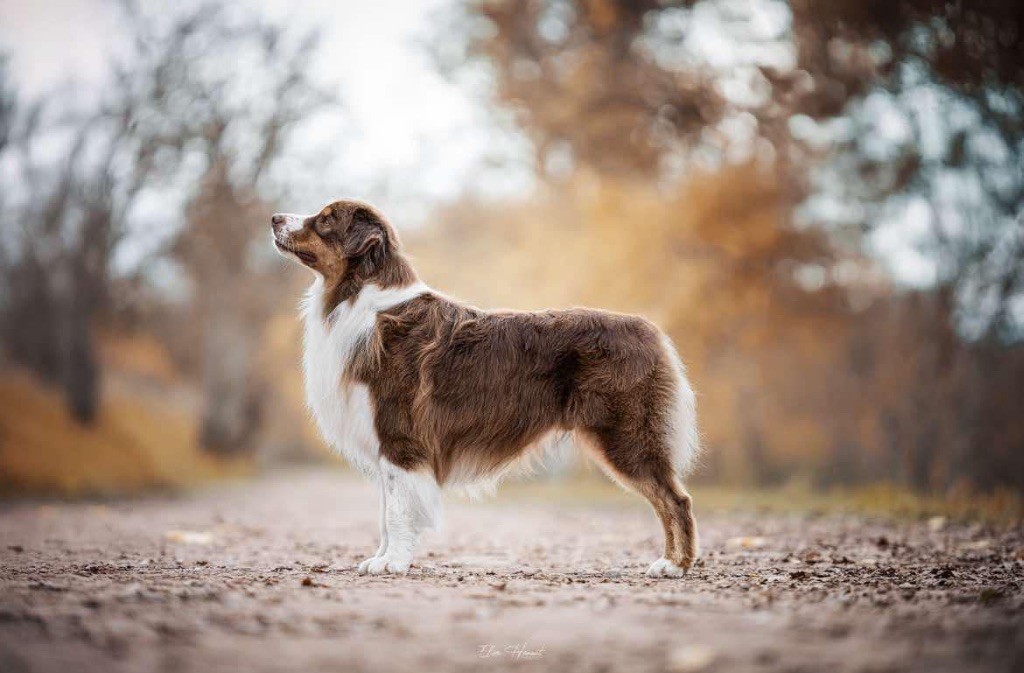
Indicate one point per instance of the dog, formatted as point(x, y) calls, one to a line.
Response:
point(422, 392)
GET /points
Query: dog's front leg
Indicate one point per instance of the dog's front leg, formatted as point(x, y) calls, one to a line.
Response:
point(364, 566)
point(412, 504)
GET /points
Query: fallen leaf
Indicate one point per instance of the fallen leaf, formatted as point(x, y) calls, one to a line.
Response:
point(811, 556)
point(747, 542)
point(189, 537)
point(691, 658)
point(978, 545)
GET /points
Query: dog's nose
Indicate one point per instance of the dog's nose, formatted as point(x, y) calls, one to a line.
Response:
point(276, 220)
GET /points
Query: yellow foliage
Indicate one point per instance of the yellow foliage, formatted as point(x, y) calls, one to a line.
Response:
point(134, 444)
point(140, 355)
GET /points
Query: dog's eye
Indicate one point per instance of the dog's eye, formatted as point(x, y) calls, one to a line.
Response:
point(323, 226)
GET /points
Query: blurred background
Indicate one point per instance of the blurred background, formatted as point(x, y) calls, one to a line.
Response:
point(820, 200)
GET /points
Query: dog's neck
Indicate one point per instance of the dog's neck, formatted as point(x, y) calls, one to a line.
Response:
point(388, 270)
point(332, 339)
point(341, 411)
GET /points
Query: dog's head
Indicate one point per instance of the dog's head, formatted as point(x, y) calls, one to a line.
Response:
point(344, 236)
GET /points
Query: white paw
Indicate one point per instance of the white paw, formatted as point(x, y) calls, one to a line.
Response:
point(365, 565)
point(665, 568)
point(379, 565)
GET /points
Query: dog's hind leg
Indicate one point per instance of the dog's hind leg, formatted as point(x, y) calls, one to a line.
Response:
point(413, 503)
point(647, 469)
point(675, 509)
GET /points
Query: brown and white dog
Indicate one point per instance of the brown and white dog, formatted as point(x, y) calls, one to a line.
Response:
point(421, 392)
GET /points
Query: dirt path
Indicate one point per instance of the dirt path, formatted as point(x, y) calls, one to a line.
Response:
point(260, 577)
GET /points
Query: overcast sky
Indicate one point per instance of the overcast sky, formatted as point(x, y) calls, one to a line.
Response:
point(411, 136)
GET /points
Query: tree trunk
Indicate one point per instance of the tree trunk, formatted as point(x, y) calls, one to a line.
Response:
point(81, 368)
point(232, 404)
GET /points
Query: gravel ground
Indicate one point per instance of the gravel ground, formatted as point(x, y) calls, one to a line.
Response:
point(260, 577)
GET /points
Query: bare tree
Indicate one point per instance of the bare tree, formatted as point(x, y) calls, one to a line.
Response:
point(197, 112)
point(235, 130)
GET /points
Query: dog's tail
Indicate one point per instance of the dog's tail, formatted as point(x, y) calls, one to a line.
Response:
point(682, 415)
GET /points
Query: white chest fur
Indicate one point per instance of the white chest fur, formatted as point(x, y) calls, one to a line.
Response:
point(343, 410)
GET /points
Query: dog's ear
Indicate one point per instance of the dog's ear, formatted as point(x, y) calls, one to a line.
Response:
point(366, 234)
